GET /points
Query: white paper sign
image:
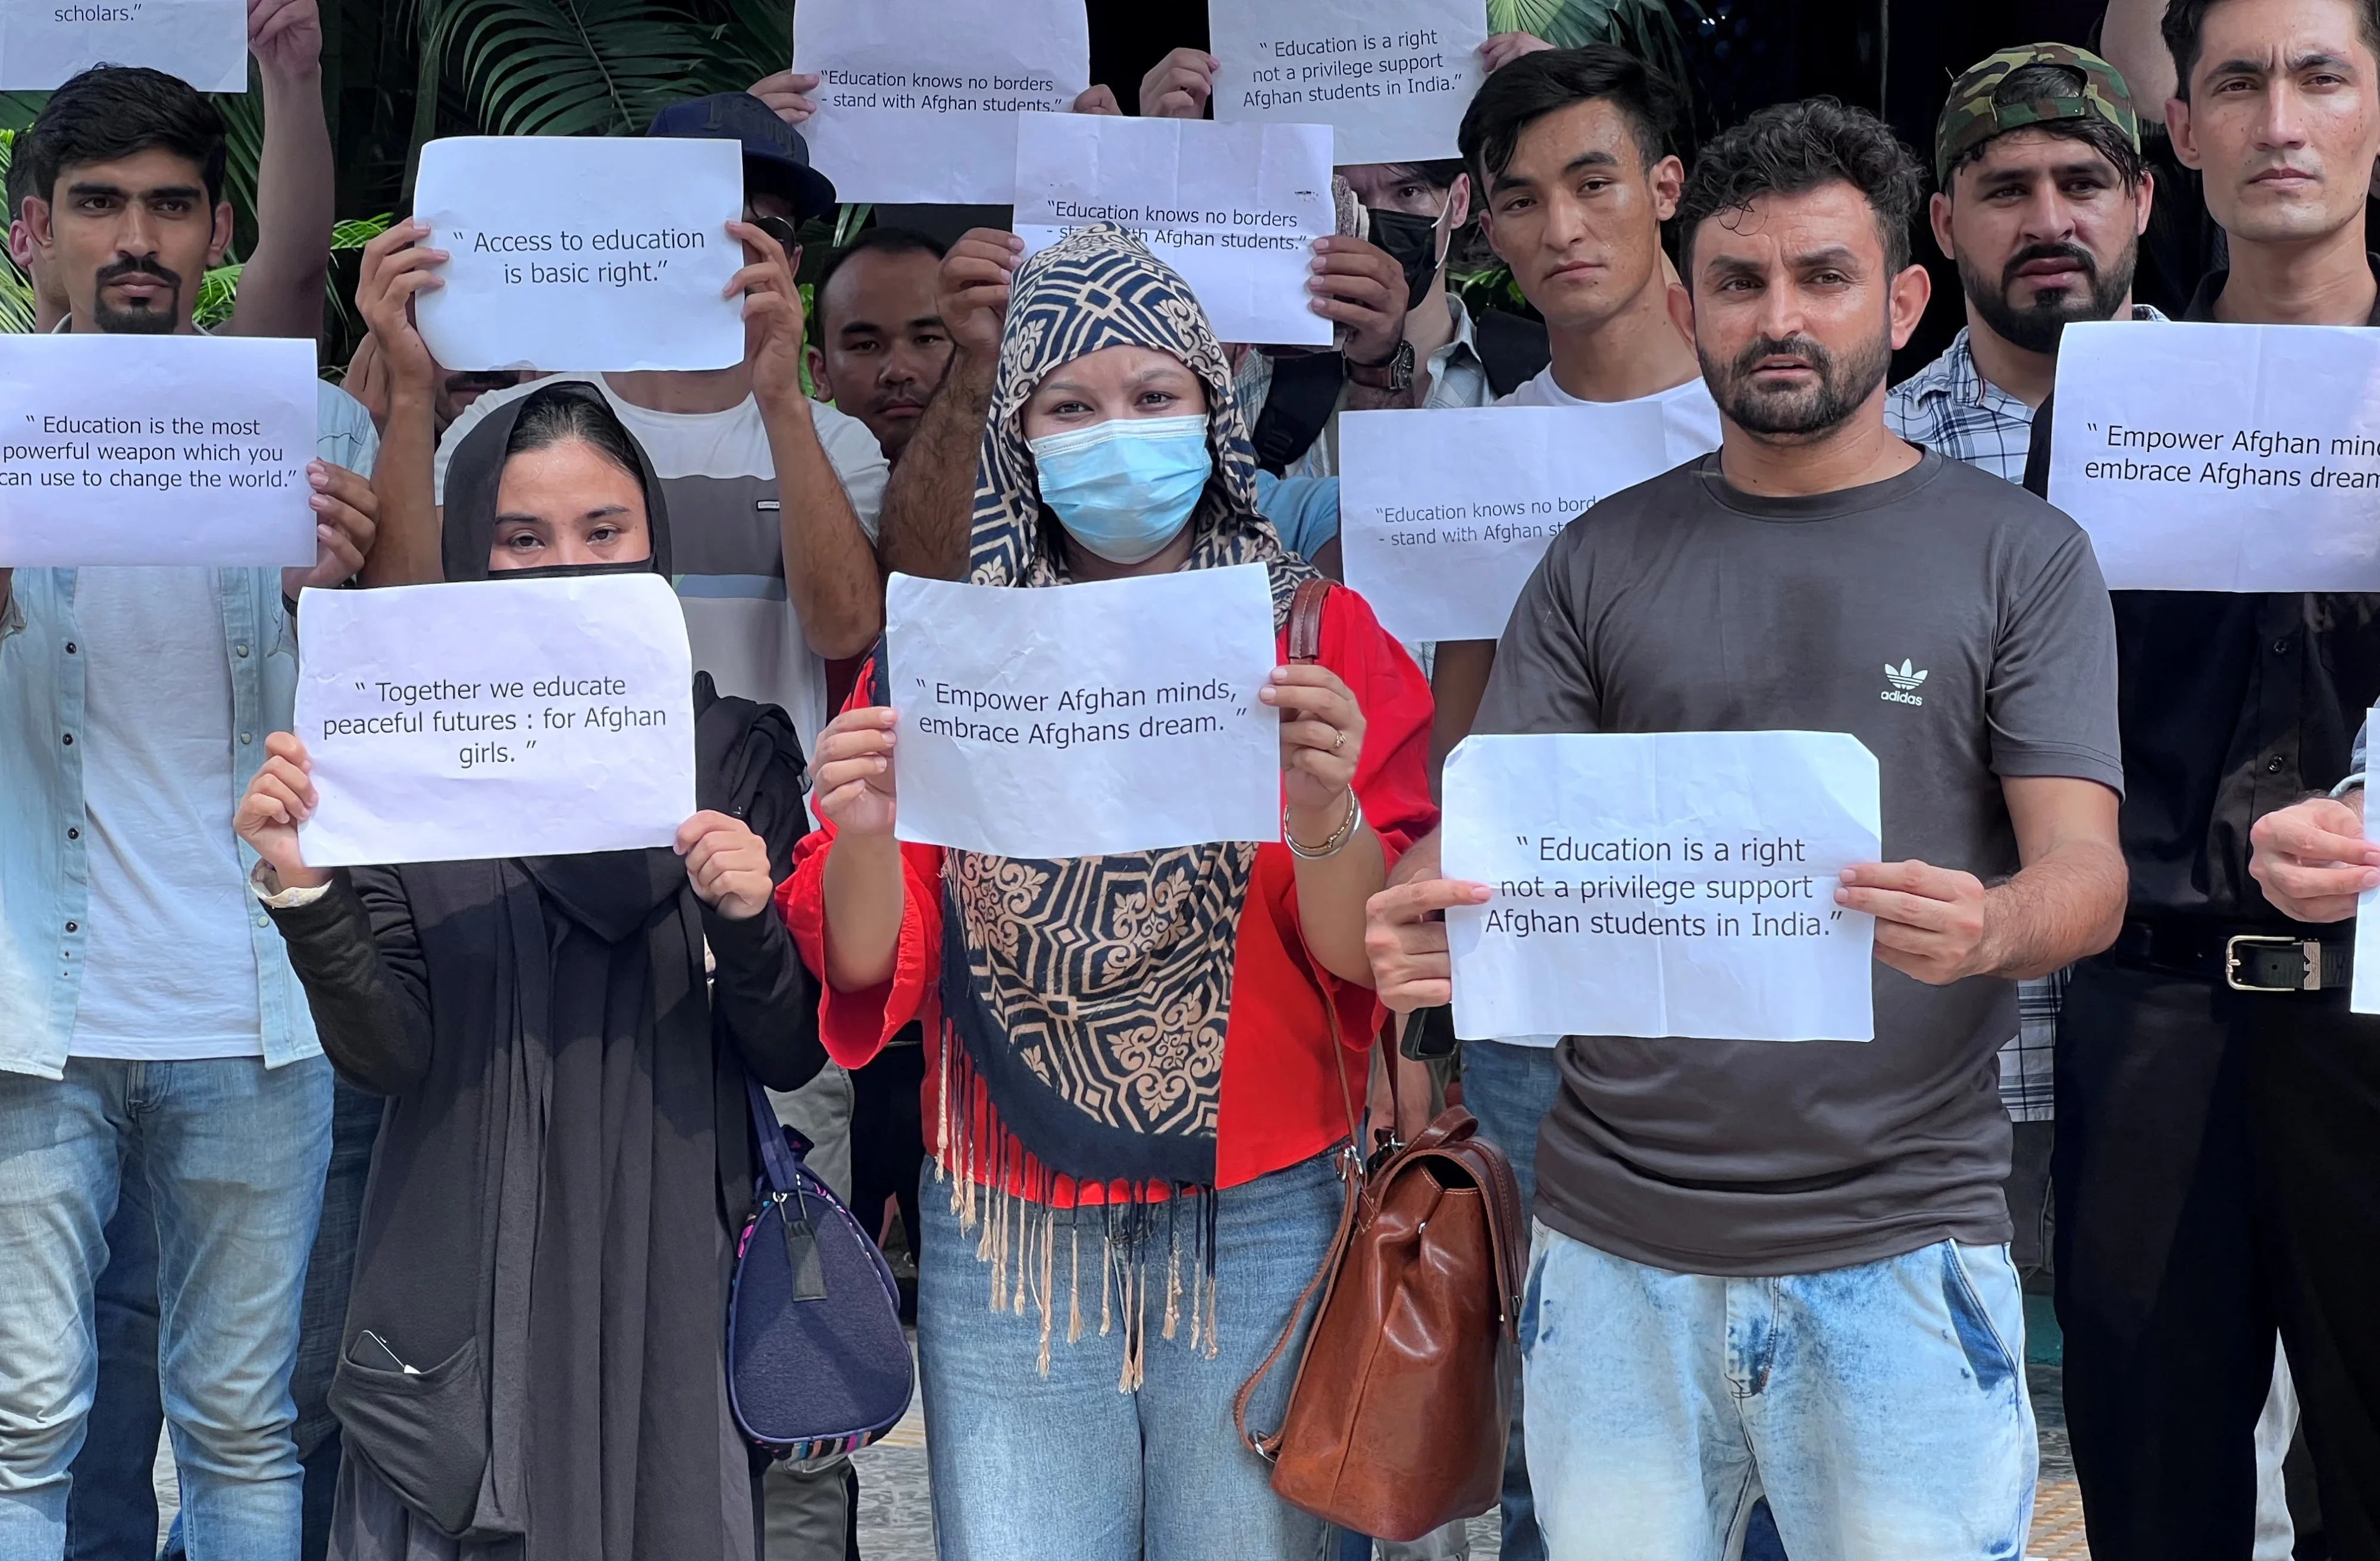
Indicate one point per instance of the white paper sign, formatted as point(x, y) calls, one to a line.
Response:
point(593, 252)
point(1076, 721)
point(1391, 76)
point(1443, 514)
point(2206, 457)
point(1234, 208)
point(1662, 884)
point(42, 42)
point(495, 717)
point(155, 450)
point(919, 99)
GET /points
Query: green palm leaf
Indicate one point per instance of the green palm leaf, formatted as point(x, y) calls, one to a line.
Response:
point(566, 67)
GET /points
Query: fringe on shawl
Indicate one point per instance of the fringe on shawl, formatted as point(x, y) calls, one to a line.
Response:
point(1001, 1195)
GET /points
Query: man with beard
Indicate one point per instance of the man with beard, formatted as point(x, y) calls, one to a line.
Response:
point(150, 1025)
point(1783, 1269)
point(2042, 201)
point(2217, 1101)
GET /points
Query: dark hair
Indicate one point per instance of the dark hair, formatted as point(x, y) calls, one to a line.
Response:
point(574, 411)
point(20, 172)
point(112, 111)
point(1438, 172)
point(2185, 33)
point(1549, 81)
point(1790, 148)
point(2042, 81)
point(891, 240)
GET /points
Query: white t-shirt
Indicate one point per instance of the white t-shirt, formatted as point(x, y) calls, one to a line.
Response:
point(729, 551)
point(172, 969)
point(1688, 414)
point(1689, 418)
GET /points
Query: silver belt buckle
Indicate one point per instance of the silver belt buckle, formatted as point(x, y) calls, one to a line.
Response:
point(2309, 949)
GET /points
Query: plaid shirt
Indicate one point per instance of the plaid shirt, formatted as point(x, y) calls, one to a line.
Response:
point(1947, 406)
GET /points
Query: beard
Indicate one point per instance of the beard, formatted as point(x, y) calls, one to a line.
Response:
point(136, 321)
point(2040, 326)
point(1841, 390)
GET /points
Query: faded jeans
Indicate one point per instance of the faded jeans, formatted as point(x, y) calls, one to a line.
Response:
point(1066, 1464)
point(1882, 1408)
point(234, 1155)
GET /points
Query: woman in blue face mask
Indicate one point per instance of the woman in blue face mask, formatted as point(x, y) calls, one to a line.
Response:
point(1134, 1094)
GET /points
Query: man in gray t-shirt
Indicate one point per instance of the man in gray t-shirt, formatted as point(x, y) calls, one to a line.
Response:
point(1776, 1269)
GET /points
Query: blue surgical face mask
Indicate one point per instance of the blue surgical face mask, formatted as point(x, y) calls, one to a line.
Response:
point(1125, 488)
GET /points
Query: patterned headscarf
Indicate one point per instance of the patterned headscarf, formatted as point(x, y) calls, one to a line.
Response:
point(1091, 994)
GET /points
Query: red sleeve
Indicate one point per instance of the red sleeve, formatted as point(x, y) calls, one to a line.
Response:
point(855, 1026)
point(1393, 777)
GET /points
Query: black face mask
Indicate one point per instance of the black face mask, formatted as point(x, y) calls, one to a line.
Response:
point(1412, 242)
point(573, 571)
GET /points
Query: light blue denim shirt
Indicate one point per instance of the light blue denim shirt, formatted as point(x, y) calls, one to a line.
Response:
point(44, 874)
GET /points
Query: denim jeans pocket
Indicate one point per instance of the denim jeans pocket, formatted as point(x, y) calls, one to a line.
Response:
point(1989, 1351)
point(424, 1434)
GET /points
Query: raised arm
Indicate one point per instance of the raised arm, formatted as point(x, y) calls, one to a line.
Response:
point(395, 268)
point(1940, 925)
point(929, 503)
point(830, 571)
point(2131, 40)
point(352, 942)
point(281, 286)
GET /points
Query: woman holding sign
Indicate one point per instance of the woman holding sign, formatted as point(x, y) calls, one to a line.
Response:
point(1144, 1063)
point(534, 1343)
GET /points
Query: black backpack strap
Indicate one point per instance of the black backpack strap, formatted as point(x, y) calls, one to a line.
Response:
point(1513, 349)
point(1305, 393)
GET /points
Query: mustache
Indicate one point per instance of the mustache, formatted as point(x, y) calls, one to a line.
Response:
point(2058, 251)
point(1804, 347)
point(138, 265)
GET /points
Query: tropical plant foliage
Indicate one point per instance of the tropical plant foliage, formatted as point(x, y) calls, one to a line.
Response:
point(398, 73)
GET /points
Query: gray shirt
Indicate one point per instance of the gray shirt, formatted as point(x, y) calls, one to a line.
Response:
point(1685, 605)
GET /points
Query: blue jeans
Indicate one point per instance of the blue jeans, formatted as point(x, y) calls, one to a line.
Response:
point(112, 1514)
point(1882, 1408)
point(1510, 1089)
point(1068, 1464)
point(233, 1155)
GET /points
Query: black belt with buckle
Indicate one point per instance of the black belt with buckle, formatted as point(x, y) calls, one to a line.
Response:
point(2245, 962)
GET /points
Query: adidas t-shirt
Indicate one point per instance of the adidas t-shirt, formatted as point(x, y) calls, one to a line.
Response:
point(725, 542)
point(1956, 625)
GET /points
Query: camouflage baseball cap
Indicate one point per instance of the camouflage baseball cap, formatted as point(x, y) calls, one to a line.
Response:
point(1971, 118)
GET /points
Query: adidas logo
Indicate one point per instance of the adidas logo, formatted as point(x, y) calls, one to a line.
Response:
point(1905, 680)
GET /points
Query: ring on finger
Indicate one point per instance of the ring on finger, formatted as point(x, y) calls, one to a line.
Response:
point(1338, 740)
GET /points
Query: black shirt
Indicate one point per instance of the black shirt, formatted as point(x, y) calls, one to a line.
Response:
point(2232, 706)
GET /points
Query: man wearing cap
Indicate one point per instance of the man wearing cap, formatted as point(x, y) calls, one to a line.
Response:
point(2217, 1102)
point(772, 514)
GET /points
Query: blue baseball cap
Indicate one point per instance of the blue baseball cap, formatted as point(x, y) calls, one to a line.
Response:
point(775, 156)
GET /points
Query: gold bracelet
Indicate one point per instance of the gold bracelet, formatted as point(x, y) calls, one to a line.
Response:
point(1338, 837)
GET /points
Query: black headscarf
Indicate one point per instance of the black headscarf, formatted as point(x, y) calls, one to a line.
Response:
point(565, 1163)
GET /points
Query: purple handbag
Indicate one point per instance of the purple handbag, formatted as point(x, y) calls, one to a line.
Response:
point(817, 1363)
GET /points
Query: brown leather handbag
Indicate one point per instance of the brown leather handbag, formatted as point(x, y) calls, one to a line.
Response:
point(1398, 1414)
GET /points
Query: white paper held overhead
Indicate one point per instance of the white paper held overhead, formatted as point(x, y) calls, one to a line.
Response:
point(1443, 514)
point(1392, 77)
point(2205, 457)
point(156, 449)
point(1662, 884)
point(1076, 721)
point(202, 42)
point(495, 717)
point(595, 252)
point(1234, 208)
point(918, 99)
